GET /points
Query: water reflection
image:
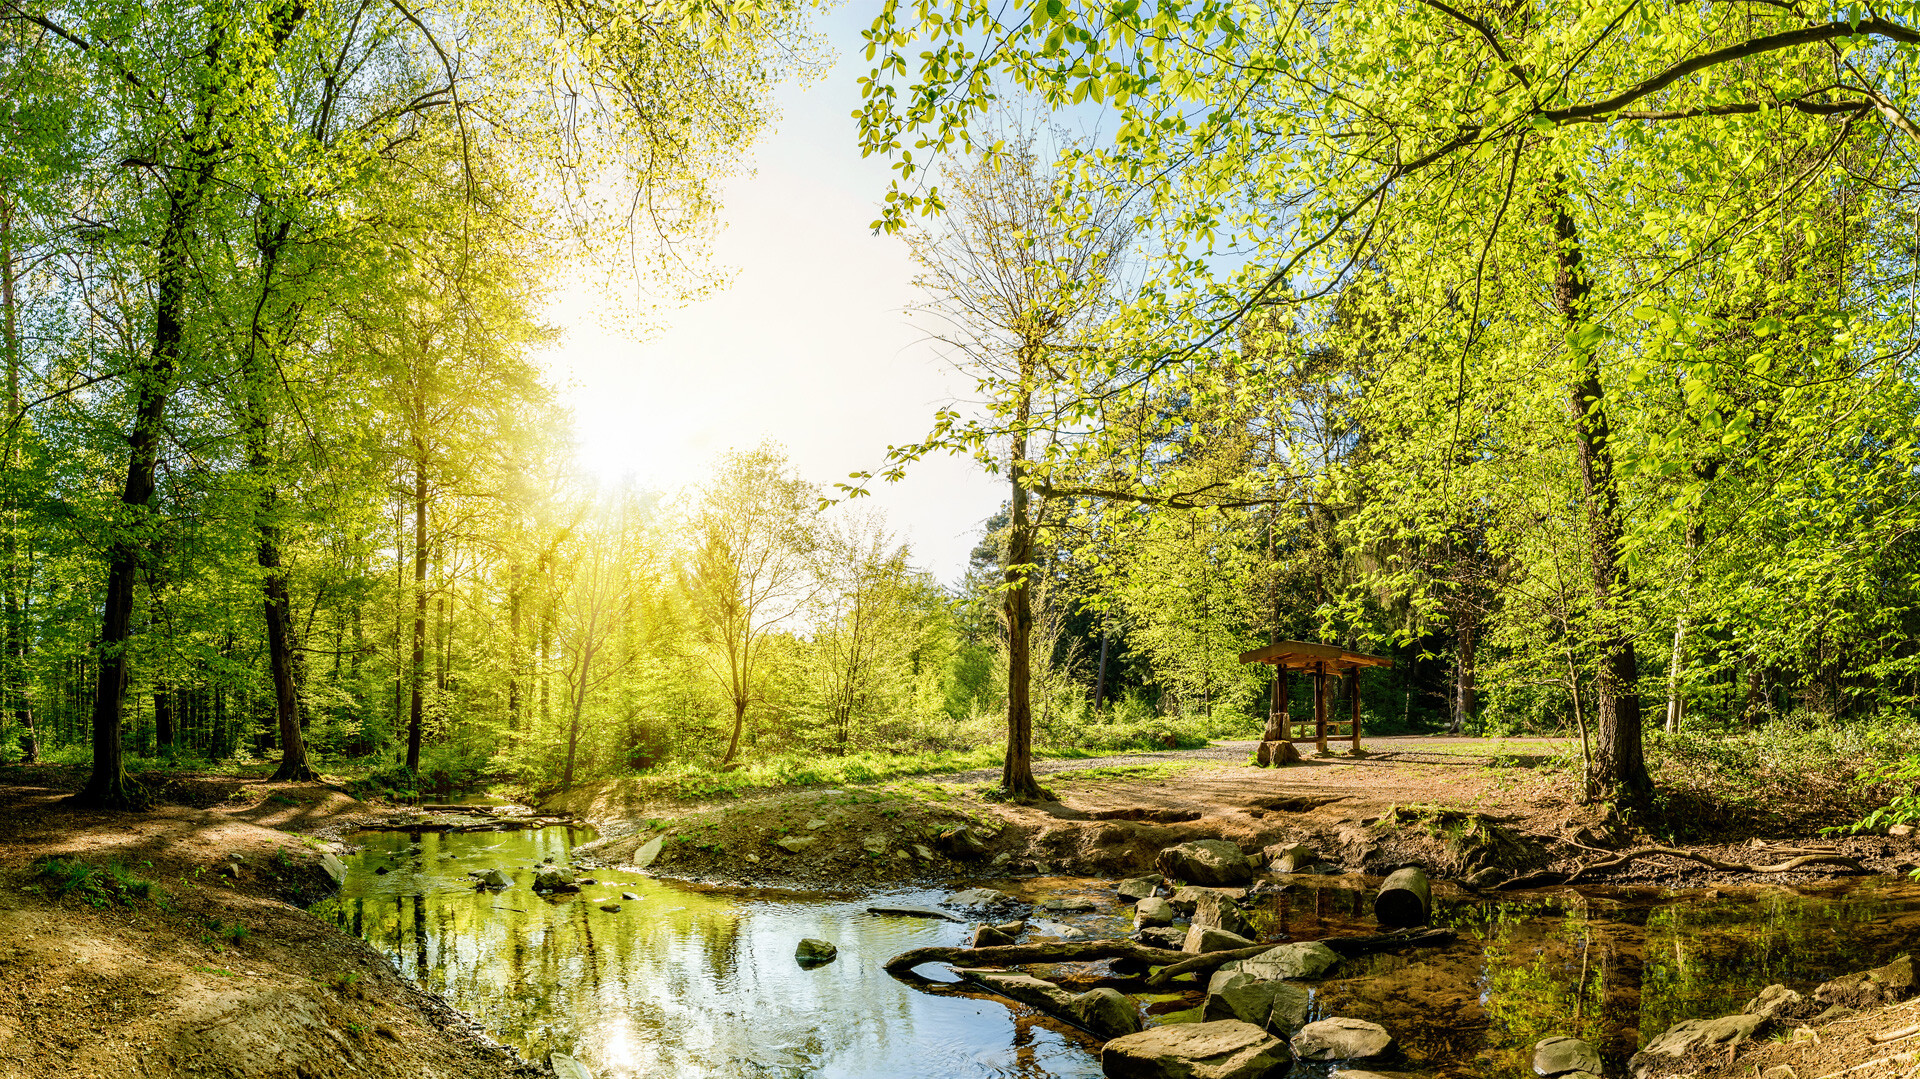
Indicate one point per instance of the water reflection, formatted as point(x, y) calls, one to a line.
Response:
point(686, 981)
point(682, 981)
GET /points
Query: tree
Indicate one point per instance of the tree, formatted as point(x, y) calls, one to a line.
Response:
point(1022, 282)
point(1501, 178)
point(862, 624)
point(749, 572)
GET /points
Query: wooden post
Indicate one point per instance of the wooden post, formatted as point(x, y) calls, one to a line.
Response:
point(1320, 705)
point(1278, 727)
point(1353, 694)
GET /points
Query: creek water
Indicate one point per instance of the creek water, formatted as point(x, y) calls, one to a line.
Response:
point(691, 981)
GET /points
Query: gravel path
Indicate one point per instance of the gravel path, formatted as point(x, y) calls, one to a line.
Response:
point(1422, 748)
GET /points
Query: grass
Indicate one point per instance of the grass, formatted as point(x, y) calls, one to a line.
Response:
point(99, 885)
point(701, 781)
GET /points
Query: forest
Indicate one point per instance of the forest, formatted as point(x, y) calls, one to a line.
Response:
point(1594, 411)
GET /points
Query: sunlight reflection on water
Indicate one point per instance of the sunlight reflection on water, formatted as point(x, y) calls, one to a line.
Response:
point(682, 981)
point(694, 982)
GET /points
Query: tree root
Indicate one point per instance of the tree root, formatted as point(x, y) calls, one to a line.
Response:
point(1066, 951)
point(1209, 962)
point(1173, 964)
point(1715, 863)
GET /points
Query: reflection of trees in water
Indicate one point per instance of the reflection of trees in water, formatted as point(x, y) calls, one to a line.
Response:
point(1573, 976)
point(1709, 958)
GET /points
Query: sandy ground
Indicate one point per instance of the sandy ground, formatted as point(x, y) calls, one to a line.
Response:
point(216, 972)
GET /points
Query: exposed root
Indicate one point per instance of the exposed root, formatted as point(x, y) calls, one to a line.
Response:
point(1208, 962)
point(1715, 863)
point(1068, 951)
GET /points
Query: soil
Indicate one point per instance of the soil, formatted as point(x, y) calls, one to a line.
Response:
point(1883, 1043)
point(1452, 805)
point(217, 971)
point(168, 985)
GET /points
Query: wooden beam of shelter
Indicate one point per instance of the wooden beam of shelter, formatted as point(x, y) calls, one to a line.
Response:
point(1306, 655)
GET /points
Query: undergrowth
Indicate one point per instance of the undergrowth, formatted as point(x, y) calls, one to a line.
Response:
point(99, 885)
point(1797, 773)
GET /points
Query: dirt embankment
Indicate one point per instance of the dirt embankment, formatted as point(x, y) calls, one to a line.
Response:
point(180, 950)
point(1489, 817)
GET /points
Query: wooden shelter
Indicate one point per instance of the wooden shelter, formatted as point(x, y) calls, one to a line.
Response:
point(1319, 661)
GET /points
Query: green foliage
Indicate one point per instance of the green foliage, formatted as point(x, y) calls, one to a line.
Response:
point(101, 885)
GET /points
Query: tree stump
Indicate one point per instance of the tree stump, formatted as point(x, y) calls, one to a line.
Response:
point(1274, 754)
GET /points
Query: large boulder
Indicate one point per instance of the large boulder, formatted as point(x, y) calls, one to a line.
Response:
point(1870, 988)
point(1139, 887)
point(1163, 936)
point(1221, 1050)
point(1559, 1055)
point(1289, 858)
point(1107, 1012)
point(988, 936)
point(1205, 938)
point(1778, 1003)
point(1277, 1007)
point(812, 952)
point(555, 880)
point(1215, 911)
point(1303, 959)
point(961, 842)
point(1152, 911)
point(981, 899)
point(1205, 861)
point(1185, 898)
point(1679, 1040)
point(495, 879)
point(1343, 1039)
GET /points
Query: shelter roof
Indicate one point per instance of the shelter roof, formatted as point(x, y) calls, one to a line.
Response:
point(1299, 655)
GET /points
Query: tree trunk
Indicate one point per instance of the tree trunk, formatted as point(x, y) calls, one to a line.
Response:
point(513, 653)
point(286, 698)
point(418, 673)
point(275, 604)
point(1465, 647)
point(739, 724)
point(15, 644)
point(1279, 729)
point(1100, 680)
point(1619, 766)
point(152, 383)
point(163, 725)
point(1675, 706)
point(1016, 778)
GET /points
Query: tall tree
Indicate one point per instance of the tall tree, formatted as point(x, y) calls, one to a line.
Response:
point(749, 572)
point(1021, 281)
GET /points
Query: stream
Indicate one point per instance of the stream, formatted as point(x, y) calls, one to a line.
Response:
point(691, 981)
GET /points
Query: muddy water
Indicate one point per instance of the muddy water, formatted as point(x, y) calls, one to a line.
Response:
point(686, 981)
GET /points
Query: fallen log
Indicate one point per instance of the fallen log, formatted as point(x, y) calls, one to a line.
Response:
point(1208, 962)
point(1715, 863)
point(1064, 951)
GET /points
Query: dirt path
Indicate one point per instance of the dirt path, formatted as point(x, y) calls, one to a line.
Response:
point(1433, 749)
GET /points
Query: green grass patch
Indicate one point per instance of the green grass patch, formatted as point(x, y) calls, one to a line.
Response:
point(701, 781)
point(100, 885)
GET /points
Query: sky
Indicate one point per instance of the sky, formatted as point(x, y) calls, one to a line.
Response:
point(809, 345)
